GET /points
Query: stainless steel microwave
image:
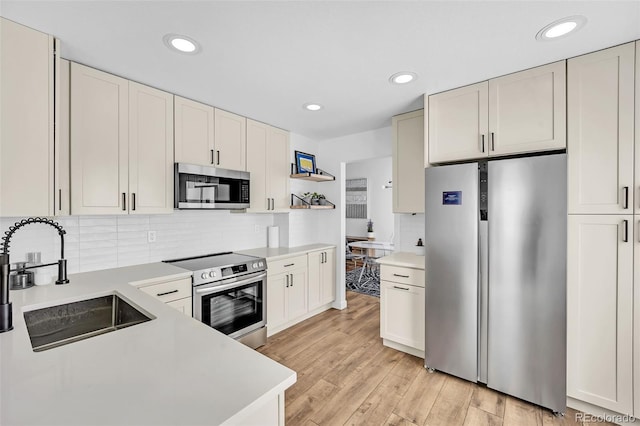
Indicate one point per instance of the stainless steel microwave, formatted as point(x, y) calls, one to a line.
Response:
point(206, 187)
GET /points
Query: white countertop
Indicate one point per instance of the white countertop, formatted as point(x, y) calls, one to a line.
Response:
point(403, 259)
point(168, 371)
point(282, 252)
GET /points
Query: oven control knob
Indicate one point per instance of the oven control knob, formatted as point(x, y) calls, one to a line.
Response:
point(204, 275)
point(212, 274)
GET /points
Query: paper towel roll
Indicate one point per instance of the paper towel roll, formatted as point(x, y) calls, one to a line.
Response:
point(273, 236)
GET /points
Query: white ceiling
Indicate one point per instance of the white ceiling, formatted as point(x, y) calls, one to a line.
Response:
point(264, 59)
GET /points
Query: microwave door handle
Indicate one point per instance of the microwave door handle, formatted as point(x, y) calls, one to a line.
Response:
point(216, 289)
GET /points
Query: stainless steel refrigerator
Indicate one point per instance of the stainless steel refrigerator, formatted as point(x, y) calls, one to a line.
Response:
point(496, 275)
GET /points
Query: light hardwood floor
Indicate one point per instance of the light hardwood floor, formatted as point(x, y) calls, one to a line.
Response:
point(347, 377)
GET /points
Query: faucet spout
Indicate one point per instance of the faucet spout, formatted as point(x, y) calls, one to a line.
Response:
point(6, 316)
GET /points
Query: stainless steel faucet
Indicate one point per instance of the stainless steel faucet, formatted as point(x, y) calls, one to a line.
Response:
point(6, 315)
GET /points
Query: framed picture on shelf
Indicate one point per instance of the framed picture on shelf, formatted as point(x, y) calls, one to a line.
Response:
point(305, 163)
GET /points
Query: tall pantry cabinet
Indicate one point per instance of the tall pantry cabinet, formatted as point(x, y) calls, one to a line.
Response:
point(603, 348)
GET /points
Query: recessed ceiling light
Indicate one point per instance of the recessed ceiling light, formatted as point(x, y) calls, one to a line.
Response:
point(561, 28)
point(403, 77)
point(182, 44)
point(312, 107)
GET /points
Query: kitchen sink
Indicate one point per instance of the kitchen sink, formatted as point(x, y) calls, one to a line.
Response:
point(59, 325)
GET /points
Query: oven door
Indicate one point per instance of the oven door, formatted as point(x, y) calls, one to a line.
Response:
point(235, 306)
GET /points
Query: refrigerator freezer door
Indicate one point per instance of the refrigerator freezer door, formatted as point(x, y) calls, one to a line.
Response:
point(451, 288)
point(527, 279)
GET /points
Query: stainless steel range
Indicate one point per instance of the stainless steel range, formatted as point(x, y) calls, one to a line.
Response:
point(229, 294)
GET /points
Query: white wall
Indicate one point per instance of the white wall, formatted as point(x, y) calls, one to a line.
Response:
point(333, 154)
point(377, 171)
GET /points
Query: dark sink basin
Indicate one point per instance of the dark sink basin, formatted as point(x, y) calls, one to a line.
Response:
point(62, 324)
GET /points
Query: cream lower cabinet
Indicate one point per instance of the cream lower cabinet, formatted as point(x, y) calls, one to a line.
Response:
point(402, 304)
point(121, 145)
point(286, 297)
point(27, 121)
point(408, 162)
point(268, 161)
point(600, 311)
point(322, 278)
point(516, 113)
point(175, 293)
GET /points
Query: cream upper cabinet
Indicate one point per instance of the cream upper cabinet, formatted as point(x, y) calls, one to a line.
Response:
point(322, 278)
point(278, 168)
point(408, 162)
point(517, 113)
point(600, 310)
point(601, 131)
point(230, 140)
point(636, 193)
point(194, 132)
point(62, 194)
point(26, 122)
point(121, 145)
point(527, 110)
point(268, 163)
point(458, 123)
point(150, 150)
point(99, 142)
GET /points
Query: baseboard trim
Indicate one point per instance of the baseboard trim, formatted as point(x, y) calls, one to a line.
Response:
point(403, 348)
point(601, 414)
point(275, 330)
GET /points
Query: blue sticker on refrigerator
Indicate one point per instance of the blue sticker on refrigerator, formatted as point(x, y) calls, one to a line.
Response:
point(452, 198)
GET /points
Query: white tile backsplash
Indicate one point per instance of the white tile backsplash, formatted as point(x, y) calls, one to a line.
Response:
point(408, 228)
point(101, 242)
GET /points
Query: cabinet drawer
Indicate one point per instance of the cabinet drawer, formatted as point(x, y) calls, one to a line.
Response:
point(402, 275)
point(283, 265)
point(170, 290)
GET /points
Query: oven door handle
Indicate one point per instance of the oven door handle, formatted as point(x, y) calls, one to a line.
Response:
point(219, 288)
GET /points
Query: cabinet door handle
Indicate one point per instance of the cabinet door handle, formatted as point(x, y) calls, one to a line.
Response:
point(625, 231)
point(291, 280)
point(401, 276)
point(59, 199)
point(124, 202)
point(167, 292)
point(482, 142)
point(493, 141)
point(400, 288)
point(273, 204)
point(289, 264)
point(625, 190)
point(218, 162)
point(287, 281)
point(212, 157)
point(133, 201)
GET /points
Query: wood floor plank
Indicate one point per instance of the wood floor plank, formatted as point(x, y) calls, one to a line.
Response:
point(420, 397)
point(379, 405)
point(518, 412)
point(396, 420)
point(300, 410)
point(488, 400)
point(346, 401)
point(452, 403)
point(476, 417)
point(346, 375)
